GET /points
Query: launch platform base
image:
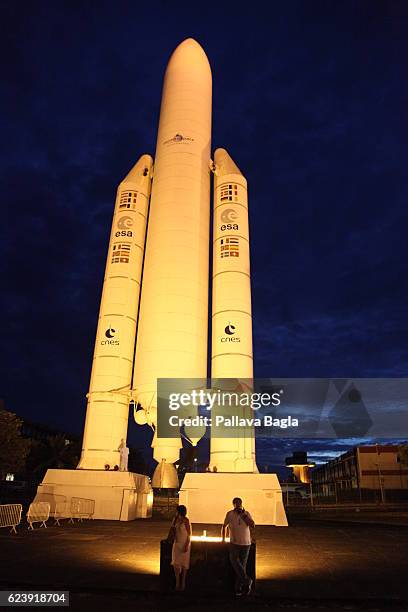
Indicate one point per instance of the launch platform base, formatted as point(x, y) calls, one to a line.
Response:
point(208, 497)
point(121, 496)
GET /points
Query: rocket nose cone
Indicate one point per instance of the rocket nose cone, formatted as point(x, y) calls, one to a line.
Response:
point(141, 171)
point(188, 45)
point(224, 163)
point(145, 160)
point(189, 55)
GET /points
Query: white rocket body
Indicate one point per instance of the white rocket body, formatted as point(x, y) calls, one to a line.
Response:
point(172, 323)
point(173, 317)
point(153, 321)
point(108, 398)
point(231, 307)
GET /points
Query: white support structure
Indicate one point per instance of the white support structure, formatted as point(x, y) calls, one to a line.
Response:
point(38, 512)
point(10, 516)
point(114, 495)
point(208, 497)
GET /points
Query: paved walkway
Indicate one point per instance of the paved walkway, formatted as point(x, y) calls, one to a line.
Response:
point(311, 561)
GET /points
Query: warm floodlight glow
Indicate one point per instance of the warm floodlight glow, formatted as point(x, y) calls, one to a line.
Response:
point(146, 562)
point(205, 538)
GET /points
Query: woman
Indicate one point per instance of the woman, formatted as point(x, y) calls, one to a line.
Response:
point(180, 557)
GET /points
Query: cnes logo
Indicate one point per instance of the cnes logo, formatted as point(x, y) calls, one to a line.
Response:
point(230, 331)
point(110, 335)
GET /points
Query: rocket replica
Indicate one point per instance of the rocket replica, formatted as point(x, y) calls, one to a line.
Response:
point(153, 319)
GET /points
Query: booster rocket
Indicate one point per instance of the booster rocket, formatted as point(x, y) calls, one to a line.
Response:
point(171, 330)
point(231, 356)
point(108, 398)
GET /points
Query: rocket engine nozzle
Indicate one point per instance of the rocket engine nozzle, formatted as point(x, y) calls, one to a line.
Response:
point(165, 476)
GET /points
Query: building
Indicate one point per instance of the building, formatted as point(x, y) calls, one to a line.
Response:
point(362, 468)
point(300, 466)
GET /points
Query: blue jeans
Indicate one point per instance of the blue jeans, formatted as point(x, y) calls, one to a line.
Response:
point(239, 557)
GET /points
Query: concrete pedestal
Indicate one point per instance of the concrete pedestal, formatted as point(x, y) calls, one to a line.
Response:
point(120, 496)
point(208, 497)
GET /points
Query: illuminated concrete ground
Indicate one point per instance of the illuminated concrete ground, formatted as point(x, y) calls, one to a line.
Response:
point(330, 560)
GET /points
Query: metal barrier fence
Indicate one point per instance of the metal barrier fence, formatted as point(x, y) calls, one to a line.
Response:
point(62, 508)
point(60, 512)
point(38, 512)
point(59, 507)
point(10, 516)
point(82, 508)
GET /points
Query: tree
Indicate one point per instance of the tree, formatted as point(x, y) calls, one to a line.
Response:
point(52, 452)
point(13, 447)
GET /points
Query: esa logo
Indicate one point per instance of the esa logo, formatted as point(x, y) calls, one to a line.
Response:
point(228, 217)
point(124, 224)
point(230, 334)
point(110, 335)
point(229, 226)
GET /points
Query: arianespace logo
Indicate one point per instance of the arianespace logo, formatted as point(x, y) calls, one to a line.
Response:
point(228, 217)
point(230, 331)
point(177, 139)
point(124, 223)
point(110, 334)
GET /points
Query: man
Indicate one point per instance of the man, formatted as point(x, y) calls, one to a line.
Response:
point(238, 522)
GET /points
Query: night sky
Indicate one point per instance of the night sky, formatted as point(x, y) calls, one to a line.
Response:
point(310, 99)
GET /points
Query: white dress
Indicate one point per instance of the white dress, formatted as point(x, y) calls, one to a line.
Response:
point(178, 556)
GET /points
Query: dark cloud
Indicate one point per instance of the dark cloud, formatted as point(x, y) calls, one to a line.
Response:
point(311, 101)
